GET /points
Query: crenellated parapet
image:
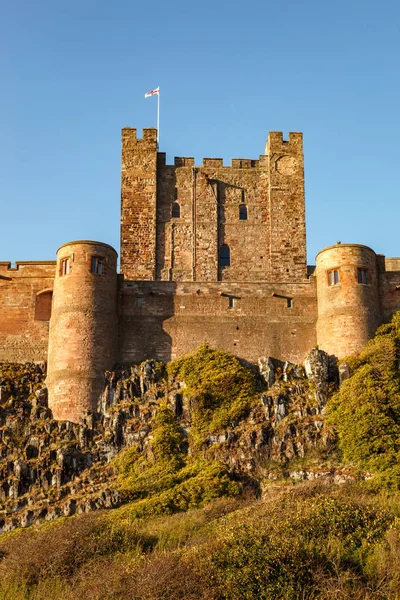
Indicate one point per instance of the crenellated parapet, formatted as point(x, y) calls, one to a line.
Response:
point(182, 222)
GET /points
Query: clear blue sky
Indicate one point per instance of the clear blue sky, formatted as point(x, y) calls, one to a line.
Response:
point(74, 72)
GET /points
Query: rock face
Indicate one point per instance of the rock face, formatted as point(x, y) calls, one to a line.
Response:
point(54, 468)
point(317, 369)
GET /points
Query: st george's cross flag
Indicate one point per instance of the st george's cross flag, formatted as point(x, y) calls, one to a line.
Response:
point(153, 93)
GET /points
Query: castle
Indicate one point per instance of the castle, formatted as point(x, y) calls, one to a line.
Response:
point(209, 253)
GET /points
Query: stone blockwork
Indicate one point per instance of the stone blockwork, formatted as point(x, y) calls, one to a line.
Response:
point(83, 329)
point(348, 298)
point(186, 214)
point(209, 253)
point(25, 290)
point(165, 320)
point(138, 204)
point(286, 207)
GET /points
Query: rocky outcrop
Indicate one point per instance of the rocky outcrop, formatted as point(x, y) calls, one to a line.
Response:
point(50, 469)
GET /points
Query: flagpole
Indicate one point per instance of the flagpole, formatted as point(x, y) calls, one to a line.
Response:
point(158, 118)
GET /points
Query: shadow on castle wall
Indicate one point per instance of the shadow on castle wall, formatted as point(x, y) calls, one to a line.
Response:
point(144, 307)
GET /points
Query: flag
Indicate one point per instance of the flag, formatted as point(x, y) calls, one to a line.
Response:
point(155, 92)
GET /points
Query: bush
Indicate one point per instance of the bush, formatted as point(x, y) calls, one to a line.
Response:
point(221, 389)
point(313, 541)
point(366, 410)
point(167, 480)
point(287, 551)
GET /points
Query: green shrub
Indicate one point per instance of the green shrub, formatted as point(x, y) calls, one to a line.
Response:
point(366, 410)
point(285, 552)
point(221, 389)
point(167, 480)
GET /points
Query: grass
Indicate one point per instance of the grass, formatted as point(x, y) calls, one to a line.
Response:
point(307, 541)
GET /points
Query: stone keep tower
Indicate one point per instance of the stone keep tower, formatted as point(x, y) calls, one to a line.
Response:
point(83, 327)
point(243, 223)
point(348, 298)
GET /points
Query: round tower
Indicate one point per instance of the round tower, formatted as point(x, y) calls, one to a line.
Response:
point(348, 298)
point(83, 327)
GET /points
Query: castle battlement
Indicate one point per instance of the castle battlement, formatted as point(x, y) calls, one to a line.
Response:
point(209, 254)
point(26, 265)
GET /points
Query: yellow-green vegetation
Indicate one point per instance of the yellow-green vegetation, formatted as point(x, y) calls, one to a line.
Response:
point(186, 532)
point(166, 479)
point(20, 380)
point(221, 389)
point(366, 410)
point(310, 541)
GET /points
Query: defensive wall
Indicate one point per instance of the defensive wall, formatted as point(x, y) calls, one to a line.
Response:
point(167, 319)
point(209, 254)
point(83, 339)
point(25, 307)
point(176, 219)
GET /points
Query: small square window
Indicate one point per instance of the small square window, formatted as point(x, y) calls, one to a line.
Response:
point(65, 266)
point(139, 302)
point(96, 265)
point(362, 276)
point(333, 277)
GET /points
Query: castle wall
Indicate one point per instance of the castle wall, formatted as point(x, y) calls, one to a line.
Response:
point(83, 327)
point(349, 311)
point(138, 204)
point(255, 207)
point(210, 198)
point(24, 324)
point(286, 206)
point(389, 287)
point(165, 320)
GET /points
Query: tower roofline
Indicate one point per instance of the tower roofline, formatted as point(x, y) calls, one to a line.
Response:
point(88, 242)
point(345, 246)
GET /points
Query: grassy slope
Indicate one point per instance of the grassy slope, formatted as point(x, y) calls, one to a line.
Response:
point(307, 541)
point(304, 541)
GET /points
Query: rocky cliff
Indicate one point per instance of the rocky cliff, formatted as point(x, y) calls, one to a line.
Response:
point(50, 469)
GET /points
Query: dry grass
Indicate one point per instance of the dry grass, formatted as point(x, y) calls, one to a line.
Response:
point(312, 541)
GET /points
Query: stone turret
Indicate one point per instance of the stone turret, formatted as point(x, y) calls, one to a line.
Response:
point(348, 298)
point(83, 327)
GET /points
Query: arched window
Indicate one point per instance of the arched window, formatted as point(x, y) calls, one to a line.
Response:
point(224, 256)
point(242, 212)
point(176, 210)
point(43, 305)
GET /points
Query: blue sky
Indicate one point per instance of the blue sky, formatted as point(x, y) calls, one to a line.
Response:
point(74, 73)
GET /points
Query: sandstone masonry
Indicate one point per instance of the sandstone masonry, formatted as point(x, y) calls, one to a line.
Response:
point(209, 253)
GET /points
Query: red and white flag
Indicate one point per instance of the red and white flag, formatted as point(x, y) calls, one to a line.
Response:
point(155, 92)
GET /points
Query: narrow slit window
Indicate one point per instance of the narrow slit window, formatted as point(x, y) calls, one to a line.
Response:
point(362, 276)
point(333, 277)
point(65, 266)
point(176, 193)
point(231, 302)
point(242, 212)
point(176, 210)
point(96, 265)
point(289, 302)
point(224, 256)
